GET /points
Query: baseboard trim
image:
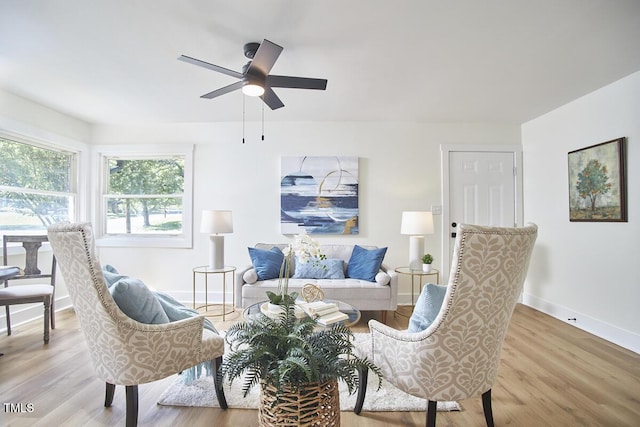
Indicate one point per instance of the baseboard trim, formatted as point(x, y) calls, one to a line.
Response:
point(618, 336)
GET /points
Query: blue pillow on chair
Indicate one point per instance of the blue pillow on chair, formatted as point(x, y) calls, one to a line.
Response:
point(427, 307)
point(137, 301)
point(364, 264)
point(266, 263)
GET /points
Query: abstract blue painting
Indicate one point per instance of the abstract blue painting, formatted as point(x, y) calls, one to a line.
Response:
point(319, 195)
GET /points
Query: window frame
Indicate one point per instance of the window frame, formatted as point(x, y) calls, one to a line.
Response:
point(74, 182)
point(141, 152)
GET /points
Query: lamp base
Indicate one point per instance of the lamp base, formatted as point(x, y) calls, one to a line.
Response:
point(216, 252)
point(416, 248)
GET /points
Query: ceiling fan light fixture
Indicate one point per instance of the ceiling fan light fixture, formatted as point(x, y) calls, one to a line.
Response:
point(252, 89)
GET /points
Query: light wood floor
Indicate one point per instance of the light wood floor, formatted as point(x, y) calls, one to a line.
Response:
point(552, 374)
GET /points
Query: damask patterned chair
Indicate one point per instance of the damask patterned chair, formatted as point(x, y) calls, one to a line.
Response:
point(124, 351)
point(458, 355)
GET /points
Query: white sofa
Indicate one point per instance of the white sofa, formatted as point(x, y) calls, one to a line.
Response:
point(364, 295)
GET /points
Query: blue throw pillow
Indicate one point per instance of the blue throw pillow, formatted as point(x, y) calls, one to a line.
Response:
point(364, 264)
point(175, 310)
point(266, 263)
point(111, 275)
point(427, 307)
point(137, 301)
point(319, 269)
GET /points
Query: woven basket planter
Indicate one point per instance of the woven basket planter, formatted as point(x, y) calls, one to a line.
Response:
point(314, 404)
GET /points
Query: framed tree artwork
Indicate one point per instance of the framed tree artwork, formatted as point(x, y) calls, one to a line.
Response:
point(597, 183)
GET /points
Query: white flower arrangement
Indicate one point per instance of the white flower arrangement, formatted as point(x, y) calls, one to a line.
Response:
point(305, 249)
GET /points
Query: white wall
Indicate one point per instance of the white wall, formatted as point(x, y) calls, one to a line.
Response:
point(24, 118)
point(585, 270)
point(399, 170)
point(22, 115)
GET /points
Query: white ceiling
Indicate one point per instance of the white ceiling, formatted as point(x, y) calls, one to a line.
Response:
point(504, 61)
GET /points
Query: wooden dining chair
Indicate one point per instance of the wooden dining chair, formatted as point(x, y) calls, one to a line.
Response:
point(32, 288)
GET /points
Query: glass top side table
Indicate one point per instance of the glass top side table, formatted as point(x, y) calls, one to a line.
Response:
point(419, 275)
point(206, 272)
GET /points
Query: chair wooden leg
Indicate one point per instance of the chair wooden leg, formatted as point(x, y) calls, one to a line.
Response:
point(108, 395)
point(217, 380)
point(8, 319)
point(486, 405)
point(47, 313)
point(132, 405)
point(432, 407)
point(53, 312)
point(363, 374)
point(384, 317)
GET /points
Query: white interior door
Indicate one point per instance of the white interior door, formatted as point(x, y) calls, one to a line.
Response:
point(481, 188)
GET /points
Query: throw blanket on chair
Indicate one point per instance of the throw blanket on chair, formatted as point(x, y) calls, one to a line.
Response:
point(140, 303)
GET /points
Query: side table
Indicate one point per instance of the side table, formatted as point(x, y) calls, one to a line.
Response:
point(416, 274)
point(206, 271)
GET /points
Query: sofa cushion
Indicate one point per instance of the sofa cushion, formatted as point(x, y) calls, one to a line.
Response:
point(427, 307)
point(319, 269)
point(364, 264)
point(266, 263)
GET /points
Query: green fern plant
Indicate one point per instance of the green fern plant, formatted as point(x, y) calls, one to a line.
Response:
point(290, 352)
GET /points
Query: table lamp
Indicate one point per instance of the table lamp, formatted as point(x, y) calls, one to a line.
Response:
point(416, 224)
point(216, 223)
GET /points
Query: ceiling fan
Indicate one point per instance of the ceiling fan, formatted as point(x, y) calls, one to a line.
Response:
point(255, 79)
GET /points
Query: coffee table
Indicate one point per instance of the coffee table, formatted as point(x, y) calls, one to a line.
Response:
point(348, 309)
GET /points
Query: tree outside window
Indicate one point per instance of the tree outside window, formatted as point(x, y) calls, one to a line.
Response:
point(37, 186)
point(146, 195)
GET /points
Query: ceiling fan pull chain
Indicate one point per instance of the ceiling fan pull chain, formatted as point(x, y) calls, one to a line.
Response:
point(263, 121)
point(243, 110)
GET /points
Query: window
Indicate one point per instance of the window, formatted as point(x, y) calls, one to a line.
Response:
point(145, 196)
point(37, 186)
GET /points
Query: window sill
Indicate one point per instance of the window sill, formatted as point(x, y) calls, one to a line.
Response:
point(143, 242)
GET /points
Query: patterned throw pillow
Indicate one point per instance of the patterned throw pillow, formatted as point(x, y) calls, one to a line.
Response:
point(427, 307)
point(319, 269)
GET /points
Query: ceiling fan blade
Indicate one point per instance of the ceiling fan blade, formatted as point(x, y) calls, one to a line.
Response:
point(296, 82)
point(265, 57)
point(223, 90)
point(213, 67)
point(271, 99)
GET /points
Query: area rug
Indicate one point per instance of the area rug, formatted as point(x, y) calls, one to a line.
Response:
point(201, 393)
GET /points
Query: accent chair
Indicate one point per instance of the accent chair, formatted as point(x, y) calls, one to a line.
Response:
point(124, 351)
point(458, 355)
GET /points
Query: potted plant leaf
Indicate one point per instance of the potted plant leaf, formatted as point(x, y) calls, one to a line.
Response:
point(427, 259)
point(297, 365)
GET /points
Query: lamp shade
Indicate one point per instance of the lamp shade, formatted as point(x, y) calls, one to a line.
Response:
point(416, 223)
point(216, 222)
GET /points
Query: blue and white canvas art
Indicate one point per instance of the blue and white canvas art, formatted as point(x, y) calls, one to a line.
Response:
point(319, 195)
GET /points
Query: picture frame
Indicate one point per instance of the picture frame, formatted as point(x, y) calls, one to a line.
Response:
point(597, 183)
point(319, 195)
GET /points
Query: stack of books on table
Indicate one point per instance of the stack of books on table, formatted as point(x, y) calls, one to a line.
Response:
point(325, 313)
